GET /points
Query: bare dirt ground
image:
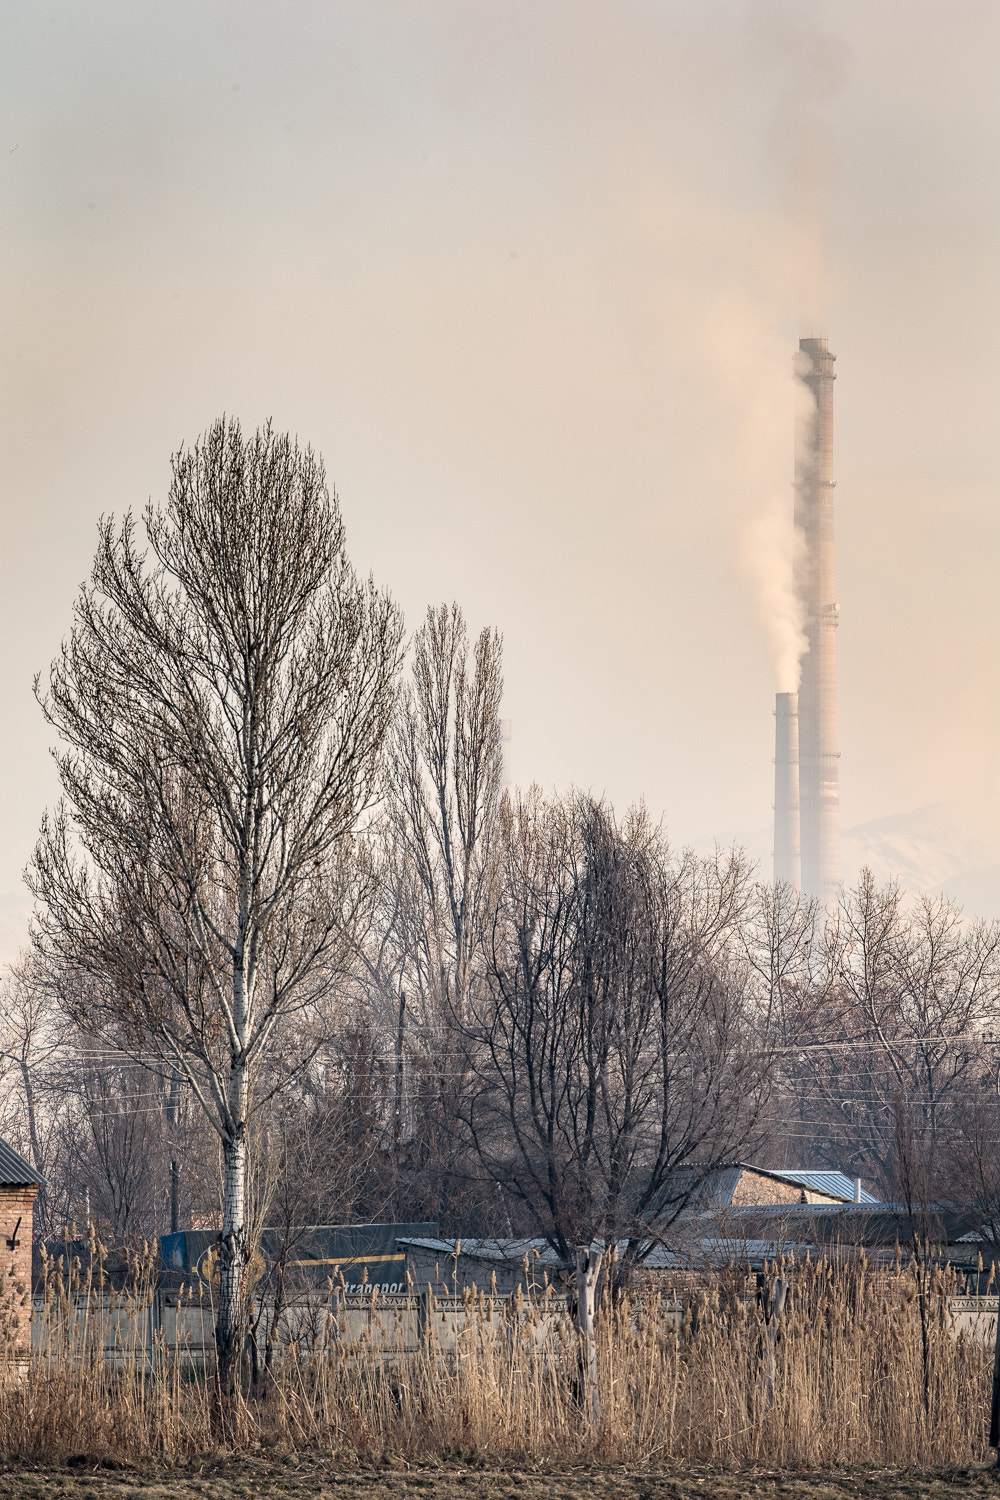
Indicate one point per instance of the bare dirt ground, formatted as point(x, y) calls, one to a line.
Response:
point(306, 1478)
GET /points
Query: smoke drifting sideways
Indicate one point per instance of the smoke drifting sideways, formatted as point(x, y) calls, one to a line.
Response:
point(804, 156)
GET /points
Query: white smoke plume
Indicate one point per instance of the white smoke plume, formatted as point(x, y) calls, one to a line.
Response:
point(814, 65)
point(767, 557)
point(752, 363)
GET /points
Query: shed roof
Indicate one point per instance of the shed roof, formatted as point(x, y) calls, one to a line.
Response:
point(15, 1171)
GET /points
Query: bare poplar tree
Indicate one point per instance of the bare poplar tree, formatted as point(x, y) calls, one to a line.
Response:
point(787, 961)
point(443, 798)
point(444, 790)
point(222, 705)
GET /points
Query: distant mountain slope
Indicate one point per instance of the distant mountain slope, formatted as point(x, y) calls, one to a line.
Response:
point(939, 848)
point(925, 849)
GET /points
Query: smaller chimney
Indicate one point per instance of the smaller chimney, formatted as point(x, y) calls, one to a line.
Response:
point(787, 861)
point(857, 1189)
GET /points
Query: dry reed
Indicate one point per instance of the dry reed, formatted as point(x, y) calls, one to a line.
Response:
point(682, 1378)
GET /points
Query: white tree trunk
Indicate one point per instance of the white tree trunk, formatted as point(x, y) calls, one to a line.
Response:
point(231, 1316)
point(588, 1269)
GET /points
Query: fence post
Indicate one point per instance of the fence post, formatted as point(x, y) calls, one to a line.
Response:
point(425, 1308)
point(588, 1269)
point(778, 1293)
point(995, 1404)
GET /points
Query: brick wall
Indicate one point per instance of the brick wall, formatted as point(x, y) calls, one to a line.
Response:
point(754, 1187)
point(15, 1264)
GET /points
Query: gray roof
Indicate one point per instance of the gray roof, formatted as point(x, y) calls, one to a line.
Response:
point(835, 1184)
point(15, 1171)
point(722, 1184)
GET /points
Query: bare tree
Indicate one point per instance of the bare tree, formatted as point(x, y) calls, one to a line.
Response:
point(112, 1146)
point(222, 710)
point(782, 937)
point(910, 992)
point(972, 1160)
point(613, 1046)
point(788, 970)
point(100, 1127)
point(445, 784)
point(34, 1043)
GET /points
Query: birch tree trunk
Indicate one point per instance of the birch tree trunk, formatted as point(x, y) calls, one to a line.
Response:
point(588, 1270)
point(230, 1326)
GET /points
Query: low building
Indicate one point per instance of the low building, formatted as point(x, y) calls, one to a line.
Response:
point(740, 1185)
point(718, 1200)
point(19, 1185)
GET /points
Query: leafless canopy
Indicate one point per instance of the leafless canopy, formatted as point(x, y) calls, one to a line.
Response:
point(221, 704)
point(896, 1031)
point(614, 1046)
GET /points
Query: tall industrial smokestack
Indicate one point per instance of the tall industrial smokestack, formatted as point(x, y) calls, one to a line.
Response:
point(787, 865)
point(819, 790)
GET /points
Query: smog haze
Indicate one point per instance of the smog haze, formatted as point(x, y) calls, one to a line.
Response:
point(531, 277)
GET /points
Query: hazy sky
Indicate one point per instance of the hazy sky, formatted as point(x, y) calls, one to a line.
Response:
point(530, 274)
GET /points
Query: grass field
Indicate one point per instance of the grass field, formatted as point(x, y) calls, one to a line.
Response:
point(862, 1388)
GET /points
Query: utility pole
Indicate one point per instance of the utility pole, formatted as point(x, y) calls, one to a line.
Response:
point(398, 1122)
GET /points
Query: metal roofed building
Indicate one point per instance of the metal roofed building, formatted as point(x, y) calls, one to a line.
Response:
point(19, 1185)
point(739, 1184)
point(15, 1171)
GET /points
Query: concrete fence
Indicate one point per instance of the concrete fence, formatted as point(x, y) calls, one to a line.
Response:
point(976, 1317)
point(163, 1326)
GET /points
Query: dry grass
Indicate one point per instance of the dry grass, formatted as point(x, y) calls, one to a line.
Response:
point(852, 1387)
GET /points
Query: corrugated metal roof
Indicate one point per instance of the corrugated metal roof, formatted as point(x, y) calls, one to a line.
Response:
point(715, 1189)
point(15, 1171)
point(722, 1184)
point(836, 1184)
